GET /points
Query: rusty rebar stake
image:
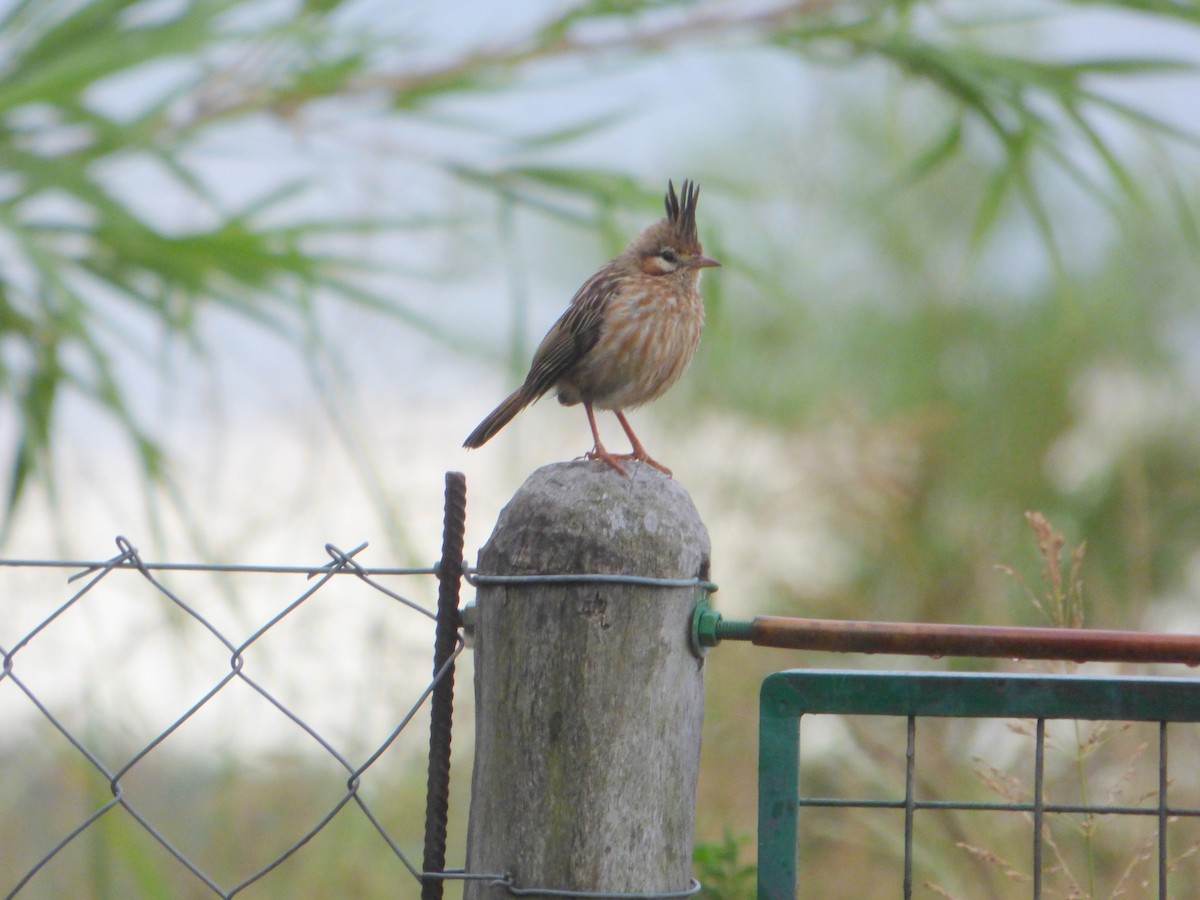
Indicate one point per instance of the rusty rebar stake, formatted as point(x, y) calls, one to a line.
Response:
point(441, 709)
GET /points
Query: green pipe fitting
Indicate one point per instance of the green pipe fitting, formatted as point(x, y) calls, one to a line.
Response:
point(709, 629)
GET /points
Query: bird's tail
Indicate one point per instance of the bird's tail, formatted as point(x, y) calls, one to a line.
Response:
point(500, 416)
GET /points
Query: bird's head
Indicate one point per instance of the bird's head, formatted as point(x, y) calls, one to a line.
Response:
point(672, 245)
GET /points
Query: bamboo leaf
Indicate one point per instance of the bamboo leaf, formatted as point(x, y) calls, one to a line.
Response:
point(36, 404)
point(942, 149)
point(998, 187)
point(1185, 10)
point(574, 132)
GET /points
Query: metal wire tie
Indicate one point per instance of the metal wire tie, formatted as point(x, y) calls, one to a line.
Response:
point(476, 578)
point(506, 882)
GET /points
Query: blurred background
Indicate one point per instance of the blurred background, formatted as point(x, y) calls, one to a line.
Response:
point(263, 266)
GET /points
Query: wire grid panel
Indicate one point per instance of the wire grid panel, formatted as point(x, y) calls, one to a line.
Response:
point(1098, 779)
point(117, 768)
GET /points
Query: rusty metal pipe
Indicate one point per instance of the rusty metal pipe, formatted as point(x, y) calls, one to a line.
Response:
point(1073, 644)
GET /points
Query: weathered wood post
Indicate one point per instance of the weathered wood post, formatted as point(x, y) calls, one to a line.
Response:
point(589, 700)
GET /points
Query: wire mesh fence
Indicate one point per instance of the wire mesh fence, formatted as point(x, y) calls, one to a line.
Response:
point(117, 783)
point(115, 776)
point(981, 785)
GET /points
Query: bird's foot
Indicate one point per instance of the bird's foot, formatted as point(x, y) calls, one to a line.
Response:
point(599, 453)
point(645, 457)
point(639, 452)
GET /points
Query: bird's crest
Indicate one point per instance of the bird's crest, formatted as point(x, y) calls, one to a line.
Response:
point(682, 215)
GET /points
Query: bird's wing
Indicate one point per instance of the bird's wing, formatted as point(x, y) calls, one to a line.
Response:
point(574, 334)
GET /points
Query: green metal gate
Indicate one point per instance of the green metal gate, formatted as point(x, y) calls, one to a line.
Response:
point(786, 697)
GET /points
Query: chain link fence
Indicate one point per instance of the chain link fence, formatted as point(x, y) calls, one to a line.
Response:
point(91, 797)
point(131, 707)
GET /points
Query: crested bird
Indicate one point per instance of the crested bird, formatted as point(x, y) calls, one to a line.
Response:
point(628, 335)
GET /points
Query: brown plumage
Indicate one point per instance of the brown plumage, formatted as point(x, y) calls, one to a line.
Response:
point(627, 336)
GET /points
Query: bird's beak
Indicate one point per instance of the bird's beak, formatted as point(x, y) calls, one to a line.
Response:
point(704, 262)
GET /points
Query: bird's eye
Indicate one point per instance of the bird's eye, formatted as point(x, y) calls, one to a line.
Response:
point(666, 254)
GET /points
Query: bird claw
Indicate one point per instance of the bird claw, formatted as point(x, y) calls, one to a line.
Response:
point(602, 455)
point(648, 460)
point(599, 454)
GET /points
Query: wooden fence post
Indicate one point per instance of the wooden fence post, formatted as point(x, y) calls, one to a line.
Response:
point(589, 700)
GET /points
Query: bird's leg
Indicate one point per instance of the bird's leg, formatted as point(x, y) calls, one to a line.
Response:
point(598, 451)
point(639, 452)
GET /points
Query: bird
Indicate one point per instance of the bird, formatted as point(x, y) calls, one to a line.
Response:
point(628, 334)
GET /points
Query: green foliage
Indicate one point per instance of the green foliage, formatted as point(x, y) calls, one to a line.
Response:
point(1031, 108)
point(966, 385)
point(76, 251)
point(238, 817)
point(947, 335)
point(975, 357)
point(721, 870)
point(79, 257)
